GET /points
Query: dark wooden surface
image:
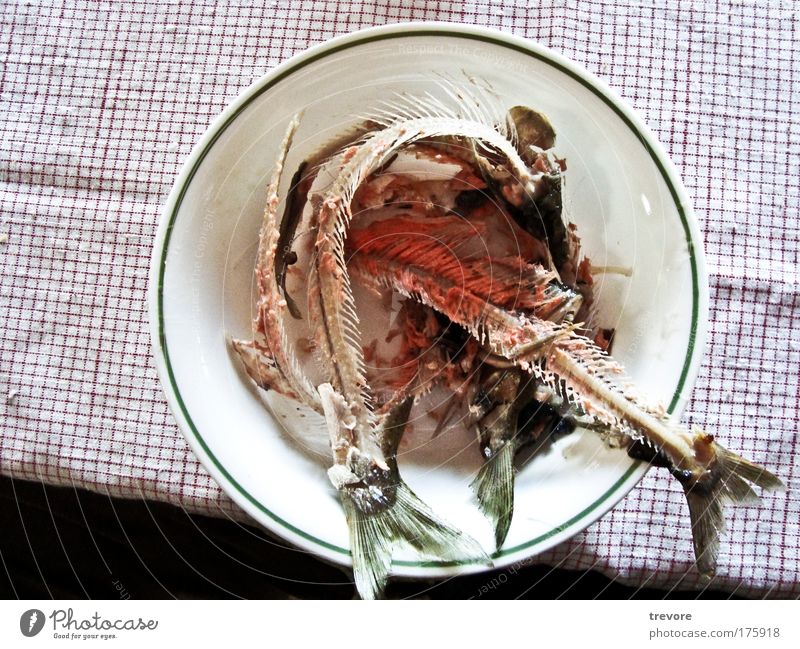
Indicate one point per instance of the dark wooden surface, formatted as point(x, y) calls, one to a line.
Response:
point(70, 543)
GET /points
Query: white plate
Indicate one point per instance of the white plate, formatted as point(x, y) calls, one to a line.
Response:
point(621, 191)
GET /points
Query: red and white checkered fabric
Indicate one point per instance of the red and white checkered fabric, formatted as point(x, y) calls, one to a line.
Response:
point(100, 102)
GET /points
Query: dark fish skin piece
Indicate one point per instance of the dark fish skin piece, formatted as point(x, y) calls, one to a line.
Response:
point(532, 127)
point(468, 200)
point(295, 203)
point(541, 214)
point(539, 421)
point(640, 450)
point(497, 397)
point(542, 217)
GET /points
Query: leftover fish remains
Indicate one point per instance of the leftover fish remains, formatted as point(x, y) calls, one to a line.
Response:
point(448, 212)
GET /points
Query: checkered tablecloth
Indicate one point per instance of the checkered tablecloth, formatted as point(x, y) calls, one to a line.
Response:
point(100, 102)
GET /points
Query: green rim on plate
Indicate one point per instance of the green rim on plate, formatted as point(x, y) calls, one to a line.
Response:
point(432, 32)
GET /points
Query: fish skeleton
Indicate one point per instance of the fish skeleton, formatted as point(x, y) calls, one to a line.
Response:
point(583, 375)
point(381, 509)
point(520, 311)
point(573, 367)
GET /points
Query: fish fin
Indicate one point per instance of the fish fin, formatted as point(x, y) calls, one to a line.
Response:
point(374, 535)
point(708, 524)
point(452, 100)
point(737, 466)
point(393, 427)
point(261, 367)
point(726, 483)
point(494, 490)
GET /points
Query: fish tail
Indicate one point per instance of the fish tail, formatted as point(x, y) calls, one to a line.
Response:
point(494, 490)
point(375, 534)
point(727, 481)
